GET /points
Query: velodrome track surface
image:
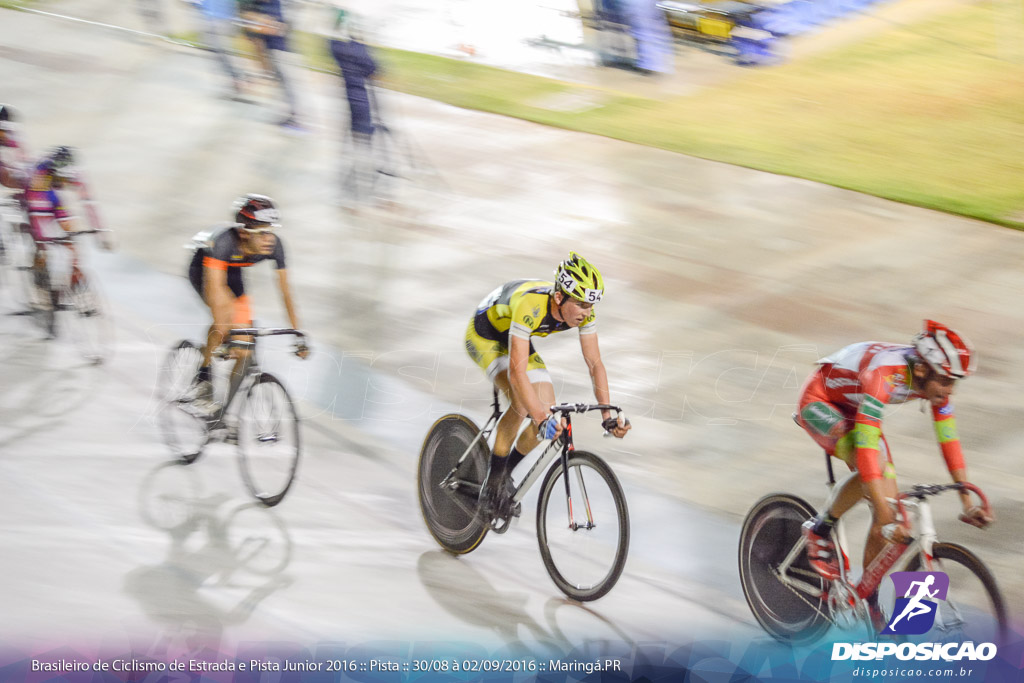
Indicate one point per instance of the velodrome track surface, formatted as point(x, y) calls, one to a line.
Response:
point(723, 286)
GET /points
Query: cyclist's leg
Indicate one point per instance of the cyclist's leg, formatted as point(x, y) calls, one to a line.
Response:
point(540, 380)
point(241, 316)
point(876, 542)
point(492, 357)
point(832, 430)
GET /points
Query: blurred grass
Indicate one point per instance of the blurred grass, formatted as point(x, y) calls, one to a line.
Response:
point(931, 114)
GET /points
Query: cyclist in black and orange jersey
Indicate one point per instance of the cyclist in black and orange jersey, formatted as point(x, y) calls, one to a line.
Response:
point(216, 274)
point(498, 340)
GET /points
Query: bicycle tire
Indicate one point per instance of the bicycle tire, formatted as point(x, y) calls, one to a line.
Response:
point(620, 537)
point(945, 555)
point(45, 300)
point(185, 434)
point(452, 516)
point(770, 531)
point(16, 261)
point(264, 429)
point(87, 325)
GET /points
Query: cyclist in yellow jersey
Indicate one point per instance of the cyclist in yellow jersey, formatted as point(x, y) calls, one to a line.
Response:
point(498, 340)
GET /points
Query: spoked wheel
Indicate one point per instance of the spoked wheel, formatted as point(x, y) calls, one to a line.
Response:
point(185, 434)
point(268, 440)
point(43, 299)
point(87, 326)
point(449, 491)
point(973, 609)
point(785, 606)
point(586, 558)
point(16, 257)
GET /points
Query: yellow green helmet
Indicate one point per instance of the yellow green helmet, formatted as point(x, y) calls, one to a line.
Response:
point(579, 279)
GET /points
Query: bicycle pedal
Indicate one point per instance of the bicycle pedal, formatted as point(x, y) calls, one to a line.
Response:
point(500, 525)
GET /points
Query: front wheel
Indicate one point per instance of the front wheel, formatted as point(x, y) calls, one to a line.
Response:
point(786, 601)
point(973, 609)
point(450, 475)
point(87, 326)
point(268, 440)
point(584, 538)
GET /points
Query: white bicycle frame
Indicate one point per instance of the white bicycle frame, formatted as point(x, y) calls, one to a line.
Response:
point(922, 526)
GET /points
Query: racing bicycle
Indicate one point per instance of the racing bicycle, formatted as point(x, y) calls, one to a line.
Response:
point(41, 292)
point(583, 542)
point(267, 429)
point(796, 605)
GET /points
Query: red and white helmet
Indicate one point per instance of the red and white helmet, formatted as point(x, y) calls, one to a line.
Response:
point(945, 351)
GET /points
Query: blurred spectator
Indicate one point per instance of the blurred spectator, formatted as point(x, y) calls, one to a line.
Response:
point(218, 30)
point(654, 46)
point(357, 69)
point(153, 15)
point(615, 46)
point(264, 25)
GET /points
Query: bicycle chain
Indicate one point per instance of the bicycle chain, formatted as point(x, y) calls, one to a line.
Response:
point(800, 595)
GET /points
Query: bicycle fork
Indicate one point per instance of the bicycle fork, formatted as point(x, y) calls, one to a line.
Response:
point(567, 447)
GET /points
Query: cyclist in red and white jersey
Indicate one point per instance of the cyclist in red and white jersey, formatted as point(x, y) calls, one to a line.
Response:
point(841, 408)
point(12, 164)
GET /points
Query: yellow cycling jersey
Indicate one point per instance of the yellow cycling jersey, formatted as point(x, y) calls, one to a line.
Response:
point(522, 308)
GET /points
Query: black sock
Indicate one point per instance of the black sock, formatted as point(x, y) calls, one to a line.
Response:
point(514, 458)
point(823, 524)
point(204, 374)
point(499, 466)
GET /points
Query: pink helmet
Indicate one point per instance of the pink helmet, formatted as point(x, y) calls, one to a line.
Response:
point(945, 350)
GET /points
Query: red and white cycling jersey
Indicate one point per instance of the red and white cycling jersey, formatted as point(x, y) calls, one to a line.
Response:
point(859, 381)
point(12, 170)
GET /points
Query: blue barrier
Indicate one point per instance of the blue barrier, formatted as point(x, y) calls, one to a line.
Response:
point(802, 16)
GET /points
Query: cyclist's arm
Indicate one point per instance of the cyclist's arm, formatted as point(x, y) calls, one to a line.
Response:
point(952, 453)
point(518, 358)
point(599, 378)
point(598, 374)
point(9, 178)
point(91, 212)
point(286, 296)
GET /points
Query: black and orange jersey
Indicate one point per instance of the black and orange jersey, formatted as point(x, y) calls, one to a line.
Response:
point(222, 250)
point(522, 308)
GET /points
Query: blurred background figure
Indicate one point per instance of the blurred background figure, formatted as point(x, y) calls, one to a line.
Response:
point(654, 46)
point(358, 69)
point(264, 25)
point(13, 173)
point(615, 46)
point(218, 31)
point(153, 15)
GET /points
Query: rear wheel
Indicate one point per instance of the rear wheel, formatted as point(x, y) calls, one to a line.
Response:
point(87, 326)
point(785, 606)
point(585, 558)
point(16, 260)
point(185, 434)
point(449, 491)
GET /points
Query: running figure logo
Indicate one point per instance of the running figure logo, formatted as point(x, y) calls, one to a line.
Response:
point(914, 613)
